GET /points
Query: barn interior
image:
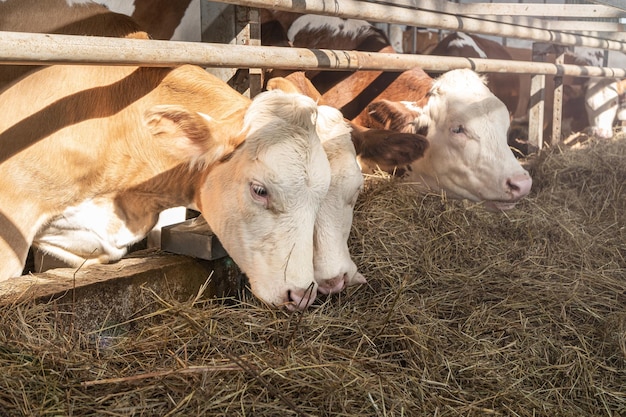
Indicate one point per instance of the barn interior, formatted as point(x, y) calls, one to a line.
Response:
point(465, 312)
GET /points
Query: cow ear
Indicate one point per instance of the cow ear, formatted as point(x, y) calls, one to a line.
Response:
point(294, 109)
point(295, 82)
point(283, 84)
point(388, 149)
point(304, 85)
point(396, 116)
point(189, 135)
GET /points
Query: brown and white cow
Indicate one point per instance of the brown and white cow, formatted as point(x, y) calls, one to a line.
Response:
point(86, 167)
point(333, 266)
point(505, 86)
point(464, 123)
point(587, 103)
point(61, 17)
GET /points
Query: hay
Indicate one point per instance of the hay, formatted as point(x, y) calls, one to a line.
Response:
point(466, 313)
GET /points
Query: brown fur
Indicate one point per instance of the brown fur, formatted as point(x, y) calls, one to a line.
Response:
point(383, 147)
point(504, 85)
point(57, 18)
point(159, 18)
point(103, 106)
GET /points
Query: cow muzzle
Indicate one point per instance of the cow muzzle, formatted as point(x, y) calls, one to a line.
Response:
point(300, 299)
point(337, 284)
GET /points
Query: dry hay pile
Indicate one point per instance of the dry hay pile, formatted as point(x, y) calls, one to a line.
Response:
point(466, 313)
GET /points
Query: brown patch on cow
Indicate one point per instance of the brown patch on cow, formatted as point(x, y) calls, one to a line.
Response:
point(391, 115)
point(388, 149)
point(160, 18)
point(505, 86)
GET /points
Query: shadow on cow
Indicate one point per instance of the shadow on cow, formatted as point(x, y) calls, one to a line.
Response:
point(463, 122)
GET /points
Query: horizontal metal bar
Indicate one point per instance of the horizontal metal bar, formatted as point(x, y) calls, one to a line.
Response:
point(537, 9)
point(18, 48)
point(393, 13)
point(613, 3)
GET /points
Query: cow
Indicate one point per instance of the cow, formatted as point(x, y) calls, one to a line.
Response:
point(506, 86)
point(464, 123)
point(119, 145)
point(125, 207)
point(58, 17)
point(162, 19)
point(587, 103)
point(333, 266)
point(342, 152)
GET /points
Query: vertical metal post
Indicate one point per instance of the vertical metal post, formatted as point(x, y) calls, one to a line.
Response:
point(537, 104)
point(249, 33)
point(557, 108)
point(217, 22)
point(226, 23)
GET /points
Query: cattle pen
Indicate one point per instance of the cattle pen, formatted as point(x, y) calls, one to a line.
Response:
point(465, 313)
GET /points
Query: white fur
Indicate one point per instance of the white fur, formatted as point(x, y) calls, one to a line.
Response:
point(91, 229)
point(282, 152)
point(334, 267)
point(463, 40)
point(475, 163)
point(350, 28)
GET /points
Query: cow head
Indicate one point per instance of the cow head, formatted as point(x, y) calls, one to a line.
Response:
point(262, 199)
point(334, 268)
point(466, 128)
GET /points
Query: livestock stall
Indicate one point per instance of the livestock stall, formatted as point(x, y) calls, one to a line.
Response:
point(465, 312)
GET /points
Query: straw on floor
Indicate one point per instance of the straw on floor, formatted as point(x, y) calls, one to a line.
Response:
point(466, 313)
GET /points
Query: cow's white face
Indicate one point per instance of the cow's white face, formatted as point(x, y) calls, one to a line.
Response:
point(334, 268)
point(601, 103)
point(468, 156)
point(262, 202)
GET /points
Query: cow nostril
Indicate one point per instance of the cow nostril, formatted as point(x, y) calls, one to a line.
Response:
point(518, 186)
point(300, 299)
point(512, 186)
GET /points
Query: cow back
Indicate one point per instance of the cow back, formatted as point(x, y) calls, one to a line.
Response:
point(57, 17)
point(505, 86)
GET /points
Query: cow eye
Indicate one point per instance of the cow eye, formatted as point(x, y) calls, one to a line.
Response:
point(457, 130)
point(259, 192)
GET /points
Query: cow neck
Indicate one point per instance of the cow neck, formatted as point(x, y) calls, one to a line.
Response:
point(171, 188)
point(370, 85)
point(379, 84)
